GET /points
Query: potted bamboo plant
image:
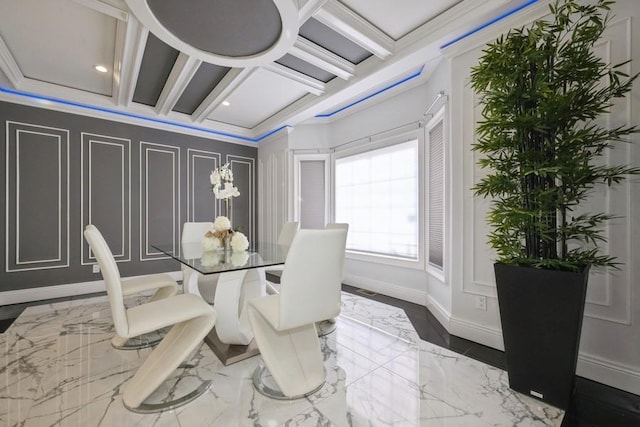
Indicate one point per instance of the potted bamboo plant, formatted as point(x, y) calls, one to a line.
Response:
point(542, 90)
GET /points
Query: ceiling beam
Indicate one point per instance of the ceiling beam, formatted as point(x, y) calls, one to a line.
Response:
point(343, 20)
point(9, 66)
point(183, 70)
point(104, 8)
point(234, 78)
point(309, 84)
point(309, 9)
point(322, 58)
point(129, 52)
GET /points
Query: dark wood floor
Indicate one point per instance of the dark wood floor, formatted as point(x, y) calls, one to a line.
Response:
point(594, 404)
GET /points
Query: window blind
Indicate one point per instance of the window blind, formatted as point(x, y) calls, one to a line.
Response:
point(436, 195)
point(312, 194)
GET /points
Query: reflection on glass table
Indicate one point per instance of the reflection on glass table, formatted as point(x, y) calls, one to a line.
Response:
point(241, 277)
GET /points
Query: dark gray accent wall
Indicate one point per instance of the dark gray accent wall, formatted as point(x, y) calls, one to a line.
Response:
point(137, 184)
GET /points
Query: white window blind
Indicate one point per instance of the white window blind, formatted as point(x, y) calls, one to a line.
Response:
point(436, 195)
point(312, 194)
point(377, 194)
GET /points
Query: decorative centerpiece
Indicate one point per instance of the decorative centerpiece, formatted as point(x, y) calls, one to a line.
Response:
point(223, 188)
point(223, 235)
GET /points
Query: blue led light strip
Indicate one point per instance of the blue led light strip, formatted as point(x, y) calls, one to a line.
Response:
point(384, 89)
point(491, 22)
point(138, 116)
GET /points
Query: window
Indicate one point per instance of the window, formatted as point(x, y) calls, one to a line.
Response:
point(377, 193)
point(435, 132)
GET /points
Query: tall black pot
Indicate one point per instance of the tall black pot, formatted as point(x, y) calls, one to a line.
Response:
point(541, 314)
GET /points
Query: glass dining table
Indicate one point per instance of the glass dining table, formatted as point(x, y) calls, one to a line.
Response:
point(241, 277)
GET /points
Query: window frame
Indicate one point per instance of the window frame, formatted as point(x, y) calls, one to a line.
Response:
point(370, 145)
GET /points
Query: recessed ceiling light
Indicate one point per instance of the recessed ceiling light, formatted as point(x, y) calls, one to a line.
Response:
point(226, 103)
point(101, 68)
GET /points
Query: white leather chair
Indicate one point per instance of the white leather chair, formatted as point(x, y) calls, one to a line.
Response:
point(193, 232)
point(327, 326)
point(284, 324)
point(165, 287)
point(190, 317)
point(285, 238)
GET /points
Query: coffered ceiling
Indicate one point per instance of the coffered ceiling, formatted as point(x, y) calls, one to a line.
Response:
point(237, 68)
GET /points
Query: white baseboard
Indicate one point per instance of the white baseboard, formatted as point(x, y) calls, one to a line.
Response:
point(385, 288)
point(477, 333)
point(609, 372)
point(589, 366)
point(439, 312)
point(19, 296)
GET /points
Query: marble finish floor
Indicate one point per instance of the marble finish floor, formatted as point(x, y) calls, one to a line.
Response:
point(59, 369)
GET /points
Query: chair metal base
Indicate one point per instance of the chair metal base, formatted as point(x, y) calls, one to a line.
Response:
point(273, 391)
point(151, 408)
point(142, 341)
point(326, 327)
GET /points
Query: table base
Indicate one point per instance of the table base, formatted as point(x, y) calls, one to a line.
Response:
point(230, 353)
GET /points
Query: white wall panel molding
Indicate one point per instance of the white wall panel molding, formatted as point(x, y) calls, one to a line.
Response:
point(159, 195)
point(273, 188)
point(93, 152)
point(251, 170)
point(385, 288)
point(194, 156)
point(36, 157)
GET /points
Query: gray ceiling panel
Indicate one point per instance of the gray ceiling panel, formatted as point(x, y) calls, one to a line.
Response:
point(304, 67)
point(223, 27)
point(203, 82)
point(324, 36)
point(157, 62)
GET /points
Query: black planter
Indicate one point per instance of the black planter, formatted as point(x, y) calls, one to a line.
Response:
point(541, 314)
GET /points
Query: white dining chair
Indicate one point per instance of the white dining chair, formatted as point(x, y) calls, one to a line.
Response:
point(193, 232)
point(327, 326)
point(190, 318)
point(284, 324)
point(164, 287)
point(285, 238)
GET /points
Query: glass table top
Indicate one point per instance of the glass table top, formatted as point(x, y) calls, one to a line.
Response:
point(219, 261)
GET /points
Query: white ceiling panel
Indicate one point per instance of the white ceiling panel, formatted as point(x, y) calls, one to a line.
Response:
point(399, 17)
point(262, 95)
point(60, 41)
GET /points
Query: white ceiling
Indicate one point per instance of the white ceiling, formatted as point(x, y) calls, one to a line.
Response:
point(49, 48)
